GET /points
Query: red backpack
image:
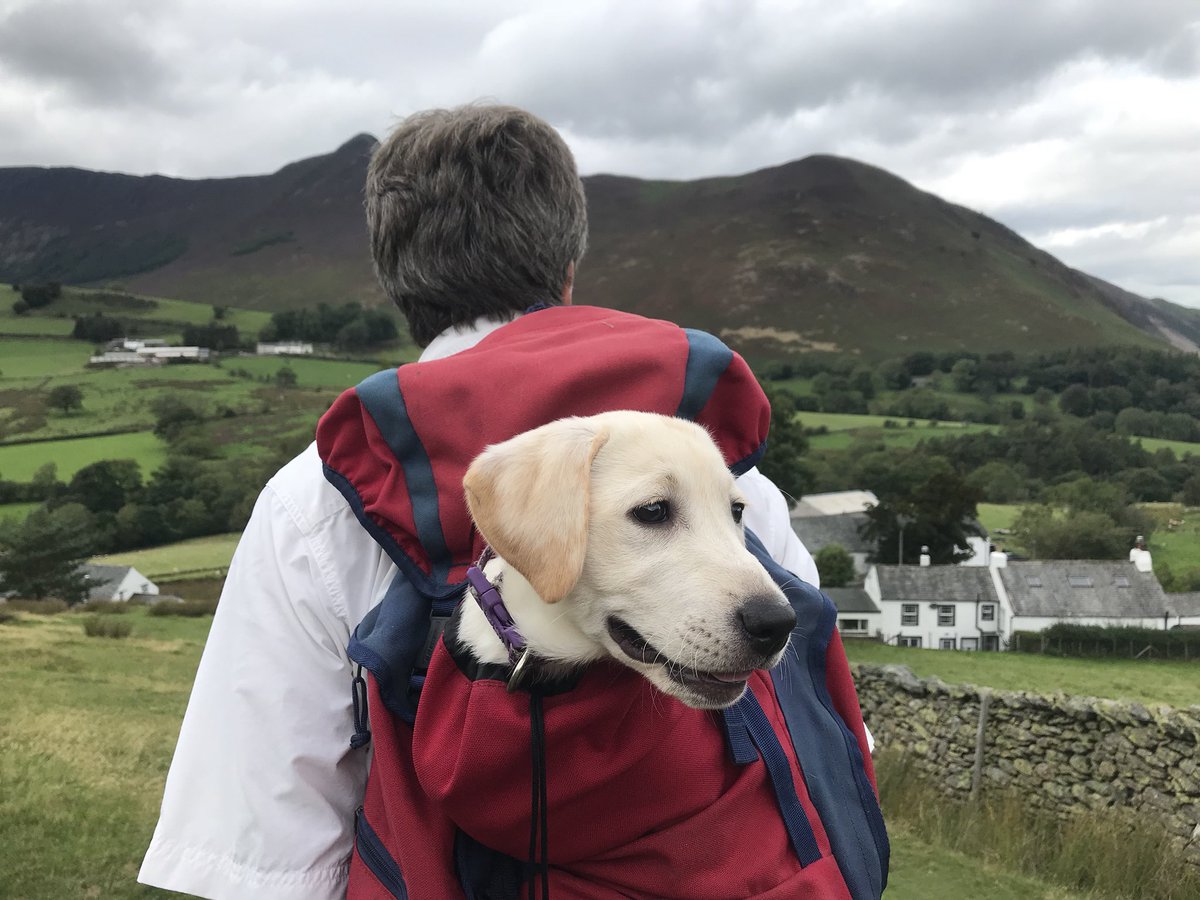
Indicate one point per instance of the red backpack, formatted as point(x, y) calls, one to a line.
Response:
point(628, 792)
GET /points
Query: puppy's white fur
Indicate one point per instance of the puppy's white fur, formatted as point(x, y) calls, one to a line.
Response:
point(558, 504)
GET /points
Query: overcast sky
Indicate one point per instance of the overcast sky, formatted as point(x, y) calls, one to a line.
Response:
point(1075, 122)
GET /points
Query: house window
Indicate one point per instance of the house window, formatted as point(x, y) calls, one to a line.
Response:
point(987, 612)
point(910, 614)
point(1121, 581)
point(1033, 580)
point(945, 616)
point(946, 644)
point(1079, 581)
point(968, 644)
point(908, 641)
point(853, 626)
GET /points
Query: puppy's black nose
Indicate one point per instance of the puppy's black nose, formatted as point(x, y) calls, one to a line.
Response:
point(767, 624)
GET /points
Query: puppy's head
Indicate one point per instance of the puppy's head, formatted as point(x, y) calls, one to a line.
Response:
point(631, 522)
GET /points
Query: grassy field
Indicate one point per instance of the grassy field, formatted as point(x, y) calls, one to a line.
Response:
point(1181, 448)
point(35, 357)
point(846, 428)
point(90, 725)
point(998, 515)
point(1144, 681)
point(309, 372)
point(16, 512)
point(19, 462)
point(191, 558)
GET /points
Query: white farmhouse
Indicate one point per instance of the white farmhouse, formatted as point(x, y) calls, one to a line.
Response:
point(116, 582)
point(979, 608)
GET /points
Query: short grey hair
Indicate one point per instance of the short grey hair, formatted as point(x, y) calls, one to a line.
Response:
point(473, 211)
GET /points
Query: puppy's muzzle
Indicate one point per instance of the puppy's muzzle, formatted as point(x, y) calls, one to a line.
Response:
point(766, 624)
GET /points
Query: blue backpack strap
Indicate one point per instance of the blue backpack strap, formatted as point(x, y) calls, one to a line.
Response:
point(827, 750)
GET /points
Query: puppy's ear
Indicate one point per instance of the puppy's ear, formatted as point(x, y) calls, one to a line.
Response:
point(529, 499)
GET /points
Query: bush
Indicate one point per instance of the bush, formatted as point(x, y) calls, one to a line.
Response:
point(6, 616)
point(50, 607)
point(103, 626)
point(192, 609)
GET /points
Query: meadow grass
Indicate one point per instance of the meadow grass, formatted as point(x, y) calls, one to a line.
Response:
point(89, 728)
point(1144, 681)
point(16, 512)
point(31, 325)
point(34, 357)
point(192, 558)
point(998, 515)
point(19, 462)
point(1113, 853)
point(1181, 448)
point(310, 372)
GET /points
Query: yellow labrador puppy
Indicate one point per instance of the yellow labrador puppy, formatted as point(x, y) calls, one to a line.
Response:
point(620, 535)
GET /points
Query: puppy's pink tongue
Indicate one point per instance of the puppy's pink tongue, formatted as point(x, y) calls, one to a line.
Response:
point(732, 677)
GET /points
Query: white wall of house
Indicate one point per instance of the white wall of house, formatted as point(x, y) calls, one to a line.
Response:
point(134, 582)
point(860, 624)
point(940, 625)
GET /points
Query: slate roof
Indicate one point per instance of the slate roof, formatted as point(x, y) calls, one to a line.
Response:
point(1184, 604)
point(816, 532)
point(103, 580)
point(851, 600)
point(945, 584)
point(834, 503)
point(1067, 588)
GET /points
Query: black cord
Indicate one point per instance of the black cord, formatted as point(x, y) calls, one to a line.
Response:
point(539, 851)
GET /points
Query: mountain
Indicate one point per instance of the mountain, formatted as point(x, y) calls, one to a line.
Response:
point(821, 253)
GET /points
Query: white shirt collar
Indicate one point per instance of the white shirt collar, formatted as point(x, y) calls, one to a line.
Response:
point(460, 337)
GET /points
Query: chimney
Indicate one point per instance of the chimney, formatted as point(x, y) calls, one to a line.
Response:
point(998, 559)
point(924, 559)
point(1140, 556)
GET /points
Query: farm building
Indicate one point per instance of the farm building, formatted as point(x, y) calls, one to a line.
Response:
point(116, 582)
point(283, 348)
point(858, 616)
point(979, 608)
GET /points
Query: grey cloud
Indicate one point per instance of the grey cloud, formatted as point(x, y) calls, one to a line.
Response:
point(99, 54)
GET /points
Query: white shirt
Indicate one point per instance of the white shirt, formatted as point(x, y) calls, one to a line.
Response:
point(261, 794)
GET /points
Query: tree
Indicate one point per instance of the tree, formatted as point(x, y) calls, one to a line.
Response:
point(106, 486)
point(835, 564)
point(922, 501)
point(783, 462)
point(41, 556)
point(65, 397)
point(285, 377)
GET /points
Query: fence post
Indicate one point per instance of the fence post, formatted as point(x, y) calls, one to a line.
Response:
point(985, 700)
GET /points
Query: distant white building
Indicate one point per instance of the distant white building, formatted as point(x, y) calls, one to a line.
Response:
point(117, 583)
point(283, 348)
point(150, 352)
point(980, 607)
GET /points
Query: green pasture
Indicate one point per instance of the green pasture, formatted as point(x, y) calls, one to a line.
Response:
point(29, 325)
point(1144, 681)
point(16, 512)
point(845, 428)
point(32, 357)
point(1180, 448)
point(332, 373)
point(998, 515)
point(199, 555)
point(85, 301)
point(90, 727)
point(19, 462)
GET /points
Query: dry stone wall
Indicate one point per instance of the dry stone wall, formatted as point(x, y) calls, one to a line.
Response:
point(1060, 752)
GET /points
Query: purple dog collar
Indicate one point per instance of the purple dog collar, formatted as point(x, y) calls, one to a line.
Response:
point(487, 595)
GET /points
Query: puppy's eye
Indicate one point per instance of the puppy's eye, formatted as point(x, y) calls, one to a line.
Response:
point(652, 513)
point(738, 509)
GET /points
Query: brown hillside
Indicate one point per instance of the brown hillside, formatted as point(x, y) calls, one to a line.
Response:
point(820, 253)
